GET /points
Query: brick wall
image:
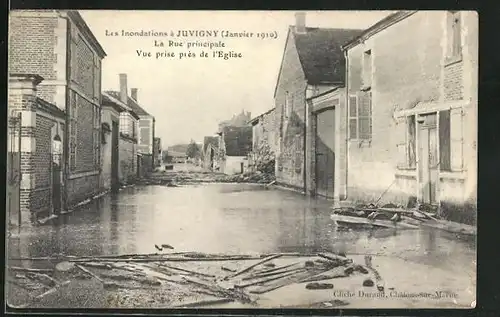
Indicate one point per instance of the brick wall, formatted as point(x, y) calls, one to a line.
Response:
point(31, 44)
point(291, 81)
point(127, 161)
point(453, 81)
point(81, 188)
point(85, 96)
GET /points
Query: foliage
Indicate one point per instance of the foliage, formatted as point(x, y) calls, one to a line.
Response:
point(264, 159)
point(193, 150)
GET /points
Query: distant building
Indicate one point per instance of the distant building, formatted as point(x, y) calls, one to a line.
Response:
point(146, 126)
point(263, 138)
point(157, 152)
point(239, 120)
point(235, 144)
point(120, 156)
point(209, 151)
point(58, 46)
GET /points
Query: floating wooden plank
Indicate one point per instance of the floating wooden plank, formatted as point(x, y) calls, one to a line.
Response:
point(281, 283)
point(24, 269)
point(187, 271)
point(206, 302)
point(89, 273)
point(267, 259)
point(269, 279)
point(373, 223)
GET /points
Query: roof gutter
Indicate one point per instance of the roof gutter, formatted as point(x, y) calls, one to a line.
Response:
point(377, 27)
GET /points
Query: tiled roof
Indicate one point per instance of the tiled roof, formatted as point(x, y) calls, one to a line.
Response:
point(50, 108)
point(320, 53)
point(257, 118)
point(212, 140)
point(238, 140)
point(131, 103)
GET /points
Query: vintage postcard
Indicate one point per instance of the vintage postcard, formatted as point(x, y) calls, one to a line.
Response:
point(231, 159)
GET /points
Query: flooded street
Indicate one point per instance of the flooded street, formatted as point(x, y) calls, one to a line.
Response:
point(241, 219)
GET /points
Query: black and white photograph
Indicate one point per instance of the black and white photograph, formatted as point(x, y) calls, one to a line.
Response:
point(241, 159)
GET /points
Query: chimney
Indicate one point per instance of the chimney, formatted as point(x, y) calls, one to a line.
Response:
point(123, 88)
point(300, 22)
point(133, 93)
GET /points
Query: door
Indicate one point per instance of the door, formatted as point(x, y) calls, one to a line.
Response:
point(325, 153)
point(428, 159)
point(56, 185)
point(14, 172)
point(114, 155)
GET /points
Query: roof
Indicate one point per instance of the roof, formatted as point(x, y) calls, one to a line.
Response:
point(377, 27)
point(238, 140)
point(255, 120)
point(117, 104)
point(320, 53)
point(49, 108)
point(210, 140)
point(134, 106)
point(84, 28)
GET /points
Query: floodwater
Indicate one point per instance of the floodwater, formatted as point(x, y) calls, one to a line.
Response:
point(234, 219)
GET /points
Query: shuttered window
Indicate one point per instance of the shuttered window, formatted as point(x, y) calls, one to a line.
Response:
point(399, 136)
point(456, 139)
point(353, 117)
point(360, 116)
point(365, 116)
point(73, 128)
point(444, 141)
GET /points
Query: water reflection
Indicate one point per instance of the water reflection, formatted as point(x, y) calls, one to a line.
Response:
point(226, 218)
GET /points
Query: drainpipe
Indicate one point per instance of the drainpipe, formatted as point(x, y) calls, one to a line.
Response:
point(66, 141)
point(346, 121)
point(306, 119)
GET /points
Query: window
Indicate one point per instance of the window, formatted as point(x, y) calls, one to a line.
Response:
point(73, 128)
point(127, 124)
point(367, 69)
point(96, 133)
point(444, 141)
point(360, 116)
point(454, 35)
point(410, 142)
point(450, 127)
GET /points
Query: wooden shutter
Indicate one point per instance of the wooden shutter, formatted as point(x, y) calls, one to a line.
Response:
point(353, 117)
point(456, 139)
point(400, 141)
point(364, 115)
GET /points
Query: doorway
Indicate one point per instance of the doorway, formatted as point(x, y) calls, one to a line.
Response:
point(428, 158)
point(114, 156)
point(325, 153)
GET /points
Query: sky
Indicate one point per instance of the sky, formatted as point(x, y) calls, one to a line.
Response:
point(189, 96)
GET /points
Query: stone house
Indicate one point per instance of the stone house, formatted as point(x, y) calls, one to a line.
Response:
point(235, 144)
point(263, 139)
point(411, 119)
point(34, 155)
point(312, 63)
point(58, 46)
point(119, 145)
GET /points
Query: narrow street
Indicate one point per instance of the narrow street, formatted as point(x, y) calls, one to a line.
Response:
point(252, 219)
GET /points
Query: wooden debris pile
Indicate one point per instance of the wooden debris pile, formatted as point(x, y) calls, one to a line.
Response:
point(220, 278)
